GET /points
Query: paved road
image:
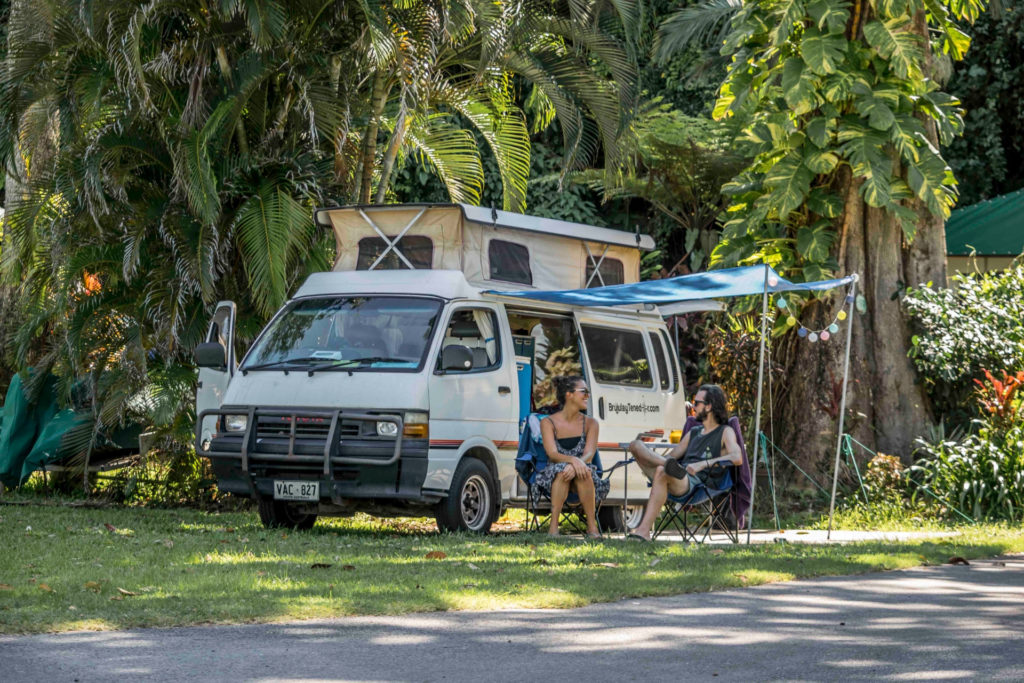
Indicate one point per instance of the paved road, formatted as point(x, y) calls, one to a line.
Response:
point(937, 623)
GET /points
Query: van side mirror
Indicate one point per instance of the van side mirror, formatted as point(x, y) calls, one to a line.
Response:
point(211, 355)
point(456, 357)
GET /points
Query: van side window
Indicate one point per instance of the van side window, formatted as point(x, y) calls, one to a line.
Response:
point(673, 359)
point(617, 356)
point(611, 272)
point(417, 248)
point(510, 262)
point(659, 357)
point(476, 329)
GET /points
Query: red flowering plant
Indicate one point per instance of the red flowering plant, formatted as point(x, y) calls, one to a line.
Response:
point(1002, 399)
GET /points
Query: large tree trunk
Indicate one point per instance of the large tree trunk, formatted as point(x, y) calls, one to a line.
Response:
point(886, 408)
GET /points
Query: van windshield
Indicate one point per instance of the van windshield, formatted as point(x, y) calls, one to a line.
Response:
point(378, 333)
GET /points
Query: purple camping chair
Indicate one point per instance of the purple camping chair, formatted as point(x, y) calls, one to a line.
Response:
point(701, 510)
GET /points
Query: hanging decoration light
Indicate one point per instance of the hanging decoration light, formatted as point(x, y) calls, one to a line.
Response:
point(825, 333)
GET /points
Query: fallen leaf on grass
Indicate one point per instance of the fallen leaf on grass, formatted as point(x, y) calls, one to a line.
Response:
point(93, 586)
point(320, 565)
point(611, 565)
point(348, 567)
point(472, 566)
point(742, 577)
point(716, 551)
point(110, 527)
point(117, 597)
point(654, 562)
point(6, 587)
point(122, 591)
point(956, 559)
point(45, 587)
point(436, 555)
point(72, 608)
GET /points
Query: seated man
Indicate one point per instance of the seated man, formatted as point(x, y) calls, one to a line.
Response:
point(689, 463)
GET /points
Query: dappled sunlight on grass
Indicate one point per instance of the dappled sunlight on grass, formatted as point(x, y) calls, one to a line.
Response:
point(81, 568)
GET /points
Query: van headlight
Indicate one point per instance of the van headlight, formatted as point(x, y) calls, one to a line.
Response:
point(236, 423)
point(387, 429)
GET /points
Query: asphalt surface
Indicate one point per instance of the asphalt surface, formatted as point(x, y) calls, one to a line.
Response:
point(933, 624)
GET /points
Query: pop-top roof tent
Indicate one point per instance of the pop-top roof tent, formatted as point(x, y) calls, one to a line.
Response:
point(494, 249)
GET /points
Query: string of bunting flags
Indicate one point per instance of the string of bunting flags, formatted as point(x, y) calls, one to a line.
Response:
point(825, 333)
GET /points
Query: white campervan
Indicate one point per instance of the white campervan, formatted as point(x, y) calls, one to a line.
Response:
point(397, 384)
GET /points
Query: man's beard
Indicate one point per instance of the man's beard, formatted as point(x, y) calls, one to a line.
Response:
point(703, 415)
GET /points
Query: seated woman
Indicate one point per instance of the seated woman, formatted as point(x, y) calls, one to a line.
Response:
point(570, 441)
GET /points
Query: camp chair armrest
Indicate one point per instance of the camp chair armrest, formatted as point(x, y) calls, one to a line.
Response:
point(620, 463)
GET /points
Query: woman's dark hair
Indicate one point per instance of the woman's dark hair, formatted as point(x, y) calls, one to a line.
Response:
point(564, 385)
point(716, 400)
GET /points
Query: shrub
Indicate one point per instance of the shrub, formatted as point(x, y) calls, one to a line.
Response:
point(977, 324)
point(982, 474)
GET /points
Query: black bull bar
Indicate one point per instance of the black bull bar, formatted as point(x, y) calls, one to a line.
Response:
point(330, 457)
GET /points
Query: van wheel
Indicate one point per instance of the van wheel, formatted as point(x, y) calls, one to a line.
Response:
point(612, 520)
point(276, 514)
point(471, 503)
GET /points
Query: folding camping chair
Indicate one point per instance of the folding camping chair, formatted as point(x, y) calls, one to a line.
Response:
point(701, 510)
point(530, 460)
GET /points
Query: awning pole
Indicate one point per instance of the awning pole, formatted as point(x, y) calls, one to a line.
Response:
point(757, 412)
point(842, 405)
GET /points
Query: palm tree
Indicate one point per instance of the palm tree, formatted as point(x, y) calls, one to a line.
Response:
point(169, 155)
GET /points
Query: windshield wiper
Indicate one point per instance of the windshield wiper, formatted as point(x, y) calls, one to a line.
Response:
point(358, 362)
point(279, 363)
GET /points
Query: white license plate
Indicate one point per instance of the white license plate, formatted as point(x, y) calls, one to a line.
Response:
point(297, 490)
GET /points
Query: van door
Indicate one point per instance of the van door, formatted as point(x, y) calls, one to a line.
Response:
point(213, 382)
point(624, 398)
point(480, 401)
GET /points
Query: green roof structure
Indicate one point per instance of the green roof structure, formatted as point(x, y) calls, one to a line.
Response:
point(994, 227)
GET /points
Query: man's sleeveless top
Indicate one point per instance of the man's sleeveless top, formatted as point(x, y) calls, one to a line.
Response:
point(706, 446)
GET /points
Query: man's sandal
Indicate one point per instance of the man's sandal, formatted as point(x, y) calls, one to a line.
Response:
point(637, 537)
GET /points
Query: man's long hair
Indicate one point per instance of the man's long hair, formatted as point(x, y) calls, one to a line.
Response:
point(716, 399)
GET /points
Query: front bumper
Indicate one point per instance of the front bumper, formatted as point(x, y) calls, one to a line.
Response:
point(337, 447)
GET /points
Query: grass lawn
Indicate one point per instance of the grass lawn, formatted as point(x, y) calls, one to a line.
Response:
point(68, 568)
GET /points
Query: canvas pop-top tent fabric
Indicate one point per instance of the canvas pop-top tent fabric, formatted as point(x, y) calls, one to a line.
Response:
point(729, 282)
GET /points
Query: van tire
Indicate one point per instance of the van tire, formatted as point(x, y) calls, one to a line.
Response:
point(612, 520)
point(276, 514)
point(472, 503)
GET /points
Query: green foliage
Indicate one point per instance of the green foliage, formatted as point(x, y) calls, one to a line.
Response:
point(815, 104)
point(976, 325)
point(981, 474)
point(681, 163)
point(990, 83)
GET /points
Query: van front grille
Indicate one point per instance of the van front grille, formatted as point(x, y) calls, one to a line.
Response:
point(305, 427)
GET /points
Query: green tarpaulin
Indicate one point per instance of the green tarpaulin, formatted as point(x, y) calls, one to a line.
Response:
point(31, 435)
point(994, 227)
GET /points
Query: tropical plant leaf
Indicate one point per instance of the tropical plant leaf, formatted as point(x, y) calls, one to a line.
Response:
point(895, 42)
point(822, 52)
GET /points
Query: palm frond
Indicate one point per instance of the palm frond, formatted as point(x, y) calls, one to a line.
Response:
point(452, 153)
point(703, 26)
